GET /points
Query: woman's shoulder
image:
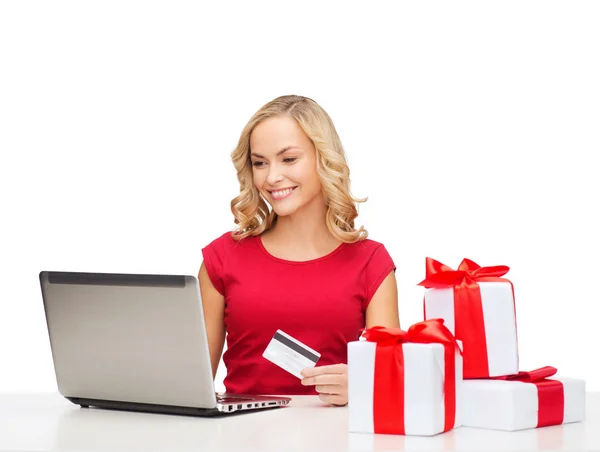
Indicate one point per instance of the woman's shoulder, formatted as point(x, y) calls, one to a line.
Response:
point(224, 238)
point(227, 241)
point(368, 250)
point(366, 245)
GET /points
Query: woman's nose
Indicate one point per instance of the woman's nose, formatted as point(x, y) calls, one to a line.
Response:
point(274, 176)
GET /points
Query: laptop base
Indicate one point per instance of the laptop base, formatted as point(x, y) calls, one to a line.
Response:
point(153, 408)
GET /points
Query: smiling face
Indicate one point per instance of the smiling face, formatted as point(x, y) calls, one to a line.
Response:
point(284, 165)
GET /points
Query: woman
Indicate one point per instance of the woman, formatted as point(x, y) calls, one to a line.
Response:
point(295, 262)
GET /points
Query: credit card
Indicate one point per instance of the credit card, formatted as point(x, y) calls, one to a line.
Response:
point(290, 354)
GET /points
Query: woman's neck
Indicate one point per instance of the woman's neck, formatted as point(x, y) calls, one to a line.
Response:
point(303, 232)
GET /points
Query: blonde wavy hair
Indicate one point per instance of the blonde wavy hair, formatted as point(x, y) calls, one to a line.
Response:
point(250, 209)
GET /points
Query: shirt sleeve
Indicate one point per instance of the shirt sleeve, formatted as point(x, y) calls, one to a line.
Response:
point(214, 262)
point(379, 266)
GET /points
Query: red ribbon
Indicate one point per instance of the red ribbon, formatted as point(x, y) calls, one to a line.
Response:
point(551, 394)
point(469, 326)
point(388, 397)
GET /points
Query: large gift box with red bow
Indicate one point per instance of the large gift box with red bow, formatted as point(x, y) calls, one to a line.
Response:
point(404, 382)
point(522, 401)
point(478, 307)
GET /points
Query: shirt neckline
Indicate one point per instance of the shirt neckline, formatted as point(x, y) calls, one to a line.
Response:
point(286, 261)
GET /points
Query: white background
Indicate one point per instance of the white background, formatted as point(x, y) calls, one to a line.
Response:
point(471, 126)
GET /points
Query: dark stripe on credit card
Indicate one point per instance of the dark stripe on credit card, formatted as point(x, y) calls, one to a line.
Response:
point(297, 348)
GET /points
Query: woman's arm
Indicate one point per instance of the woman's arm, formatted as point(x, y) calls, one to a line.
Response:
point(214, 314)
point(383, 308)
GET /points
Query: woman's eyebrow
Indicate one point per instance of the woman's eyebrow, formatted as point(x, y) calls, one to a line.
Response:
point(287, 148)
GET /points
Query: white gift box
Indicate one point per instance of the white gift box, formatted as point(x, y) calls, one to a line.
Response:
point(423, 387)
point(513, 405)
point(499, 323)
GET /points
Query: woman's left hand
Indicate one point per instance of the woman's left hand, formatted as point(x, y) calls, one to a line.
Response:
point(331, 382)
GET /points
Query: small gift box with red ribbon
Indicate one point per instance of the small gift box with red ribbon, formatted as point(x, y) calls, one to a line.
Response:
point(522, 401)
point(478, 307)
point(404, 382)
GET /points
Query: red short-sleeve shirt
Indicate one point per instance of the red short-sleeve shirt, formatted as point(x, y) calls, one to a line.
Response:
point(320, 302)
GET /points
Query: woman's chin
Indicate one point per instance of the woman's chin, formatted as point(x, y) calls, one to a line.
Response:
point(284, 211)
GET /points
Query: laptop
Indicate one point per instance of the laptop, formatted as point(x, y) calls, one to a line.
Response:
point(135, 342)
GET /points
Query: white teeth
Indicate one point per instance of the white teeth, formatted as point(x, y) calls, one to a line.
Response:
point(281, 193)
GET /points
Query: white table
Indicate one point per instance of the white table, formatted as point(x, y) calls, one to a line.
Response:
point(49, 422)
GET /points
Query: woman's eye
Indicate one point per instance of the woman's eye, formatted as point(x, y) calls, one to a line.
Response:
point(289, 159)
point(257, 164)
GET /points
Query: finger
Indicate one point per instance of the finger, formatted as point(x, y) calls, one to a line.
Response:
point(329, 389)
point(327, 379)
point(334, 399)
point(320, 370)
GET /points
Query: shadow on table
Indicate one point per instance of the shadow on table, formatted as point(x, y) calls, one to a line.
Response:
point(278, 429)
point(105, 429)
point(560, 437)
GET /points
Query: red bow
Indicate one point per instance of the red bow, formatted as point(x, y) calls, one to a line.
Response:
point(438, 275)
point(388, 397)
point(532, 376)
point(426, 332)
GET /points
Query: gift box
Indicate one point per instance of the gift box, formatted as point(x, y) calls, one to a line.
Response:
point(523, 401)
point(478, 307)
point(404, 382)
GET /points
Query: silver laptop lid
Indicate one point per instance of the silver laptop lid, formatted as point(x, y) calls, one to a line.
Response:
point(131, 338)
